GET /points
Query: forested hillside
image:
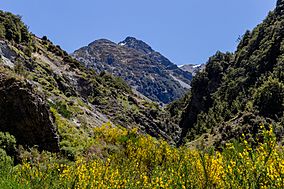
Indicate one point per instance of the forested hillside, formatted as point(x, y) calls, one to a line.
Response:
point(238, 91)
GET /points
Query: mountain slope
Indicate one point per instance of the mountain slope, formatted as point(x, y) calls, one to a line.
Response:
point(236, 92)
point(60, 101)
point(139, 65)
point(192, 68)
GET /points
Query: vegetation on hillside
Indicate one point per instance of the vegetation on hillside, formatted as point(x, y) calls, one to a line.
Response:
point(238, 91)
point(232, 118)
point(137, 161)
point(12, 29)
point(78, 98)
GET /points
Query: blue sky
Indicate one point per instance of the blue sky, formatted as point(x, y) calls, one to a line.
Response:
point(185, 31)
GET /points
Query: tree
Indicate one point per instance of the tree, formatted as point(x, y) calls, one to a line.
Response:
point(269, 98)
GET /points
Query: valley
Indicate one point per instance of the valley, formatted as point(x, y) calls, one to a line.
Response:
point(122, 115)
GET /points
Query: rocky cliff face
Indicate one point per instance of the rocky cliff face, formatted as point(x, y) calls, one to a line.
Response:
point(139, 65)
point(24, 114)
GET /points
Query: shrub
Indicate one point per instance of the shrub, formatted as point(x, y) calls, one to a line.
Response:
point(8, 143)
point(144, 162)
point(2, 32)
point(269, 98)
point(4, 159)
point(44, 38)
point(13, 29)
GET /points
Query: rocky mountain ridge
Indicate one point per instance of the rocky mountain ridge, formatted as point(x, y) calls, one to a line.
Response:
point(192, 68)
point(144, 69)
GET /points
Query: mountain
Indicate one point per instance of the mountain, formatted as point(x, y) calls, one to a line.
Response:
point(144, 69)
point(237, 92)
point(64, 125)
point(192, 68)
point(50, 100)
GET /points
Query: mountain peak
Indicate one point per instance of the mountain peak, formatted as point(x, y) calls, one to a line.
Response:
point(132, 42)
point(144, 69)
point(101, 41)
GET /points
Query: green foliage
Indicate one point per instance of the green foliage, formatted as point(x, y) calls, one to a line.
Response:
point(177, 107)
point(6, 163)
point(138, 161)
point(269, 98)
point(74, 141)
point(248, 82)
point(44, 38)
point(2, 32)
point(20, 69)
point(7, 149)
point(71, 61)
point(58, 51)
point(13, 29)
point(114, 82)
point(62, 108)
point(204, 85)
point(8, 143)
point(4, 158)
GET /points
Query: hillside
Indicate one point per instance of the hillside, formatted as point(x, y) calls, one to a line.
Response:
point(139, 65)
point(64, 124)
point(238, 91)
point(50, 100)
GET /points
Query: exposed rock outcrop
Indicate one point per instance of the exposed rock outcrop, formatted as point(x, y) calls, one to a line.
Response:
point(192, 68)
point(24, 114)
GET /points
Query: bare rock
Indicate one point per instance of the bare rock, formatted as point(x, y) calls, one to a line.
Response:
point(24, 114)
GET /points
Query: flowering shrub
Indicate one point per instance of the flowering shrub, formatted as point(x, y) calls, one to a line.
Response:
point(144, 162)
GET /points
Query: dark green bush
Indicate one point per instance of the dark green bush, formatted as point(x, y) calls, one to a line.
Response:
point(62, 108)
point(5, 160)
point(269, 98)
point(8, 143)
point(13, 29)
